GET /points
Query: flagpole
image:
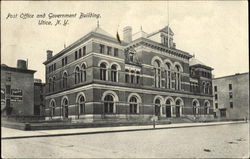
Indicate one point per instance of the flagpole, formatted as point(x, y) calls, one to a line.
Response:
point(168, 22)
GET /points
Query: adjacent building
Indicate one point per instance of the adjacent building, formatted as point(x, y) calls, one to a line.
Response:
point(17, 89)
point(39, 97)
point(101, 77)
point(231, 96)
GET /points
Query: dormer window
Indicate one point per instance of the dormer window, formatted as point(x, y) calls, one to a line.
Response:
point(167, 41)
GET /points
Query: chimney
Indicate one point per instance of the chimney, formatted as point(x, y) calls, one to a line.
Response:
point(49, 54)
point(21, 64)
point(127, 34)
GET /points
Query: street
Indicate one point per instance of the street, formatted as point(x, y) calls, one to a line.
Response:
point(221, 141)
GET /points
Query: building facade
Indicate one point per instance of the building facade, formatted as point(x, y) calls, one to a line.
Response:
point(99, 77)
point(231, 96)
point(17, 90)
point(39, 97)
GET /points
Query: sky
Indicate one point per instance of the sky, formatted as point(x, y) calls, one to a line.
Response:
point(216, 32)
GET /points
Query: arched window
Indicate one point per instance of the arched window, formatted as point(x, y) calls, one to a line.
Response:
point(114, 74)
point(53, 83)
point(133, 105)
point(103, 71)
point(65, 108)
point(178, 108)
point(207, 88)
point(65, 79)
point(52, 108)
point(168, 75)
point(206, 105)
point(137, 77)
point(195, 107)
point(157, 76)
point(81, 104)
point(178, 102)
point(50, 84)
point(132, 76)
point(168, 108)
point(83, 73)
point(127, 76)
point(77, 75)
point(157, 107)
point(177, 78)
point(109, 104)
point(204, 87)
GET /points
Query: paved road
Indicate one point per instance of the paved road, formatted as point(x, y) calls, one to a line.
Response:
point(222, 141)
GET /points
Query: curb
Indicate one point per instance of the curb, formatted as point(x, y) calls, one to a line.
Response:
point(114, 131)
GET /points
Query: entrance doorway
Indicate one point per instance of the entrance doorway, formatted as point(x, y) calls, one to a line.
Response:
point(157, 107)
point(157, 110)
point(168, 111)
point(168, 108)
point(65, 108)
point(177, 111)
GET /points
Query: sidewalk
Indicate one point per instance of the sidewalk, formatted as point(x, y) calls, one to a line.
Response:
point(8, 133)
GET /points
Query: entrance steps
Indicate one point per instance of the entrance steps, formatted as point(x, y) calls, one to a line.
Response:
point(176, 119)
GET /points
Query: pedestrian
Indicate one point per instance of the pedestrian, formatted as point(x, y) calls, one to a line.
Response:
point(154, 123)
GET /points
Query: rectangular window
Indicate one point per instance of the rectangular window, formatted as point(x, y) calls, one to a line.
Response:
point(230, 86)
point(80, 53)
point(223, 113)
point(66, 60)
point(191, 87)
point(230, 95)
point(231, 105)
point(216, 97)
point(137, 79)
point(7, 89)
point(215, 88)
point(132, 78)
point(216, 105)
point(115, 52)
point(101, 48)
point(127, 78)
point(108, 50)
point(63, 62)
point(8, 77)
point(75, 55)
point(54, 66)
point(84, 51)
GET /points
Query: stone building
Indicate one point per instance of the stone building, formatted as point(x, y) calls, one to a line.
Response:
point(231, 96)
point(99, 77)
point(17, 90)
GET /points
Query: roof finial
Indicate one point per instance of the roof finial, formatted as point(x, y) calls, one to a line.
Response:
point(141, 27)
point(98, 23)
point(194, 55)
